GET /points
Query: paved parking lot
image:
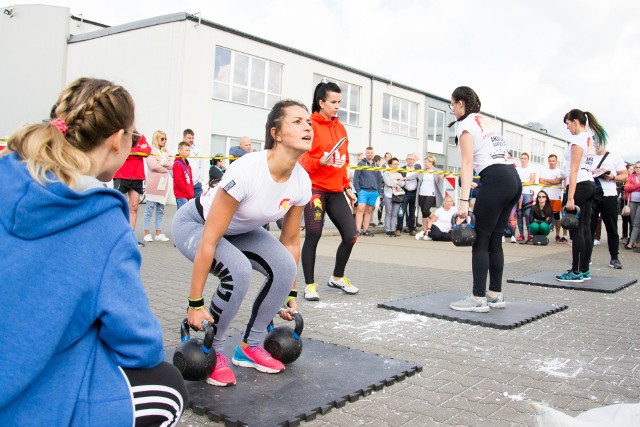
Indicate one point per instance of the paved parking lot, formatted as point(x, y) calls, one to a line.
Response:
point(581, 358)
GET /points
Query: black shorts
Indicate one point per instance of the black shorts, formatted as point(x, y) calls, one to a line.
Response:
point(126, 185)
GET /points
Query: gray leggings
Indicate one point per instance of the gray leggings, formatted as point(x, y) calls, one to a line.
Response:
point(390, 214)
point(235, 258)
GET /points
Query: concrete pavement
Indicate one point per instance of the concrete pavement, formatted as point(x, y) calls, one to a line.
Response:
point(584, 357)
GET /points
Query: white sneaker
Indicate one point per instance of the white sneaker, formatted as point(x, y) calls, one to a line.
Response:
point(311, 292)
point(503, 239)
point(148, 238)
point(427, 238)
point(596, 242)
point(513, 239)
point(162, 238)
point(343, 284)
point(420, 235)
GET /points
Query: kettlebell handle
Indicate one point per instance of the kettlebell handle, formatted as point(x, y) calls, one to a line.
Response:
point(471, 218)
point(208, 334)
point(299, 325)
point(577, 210)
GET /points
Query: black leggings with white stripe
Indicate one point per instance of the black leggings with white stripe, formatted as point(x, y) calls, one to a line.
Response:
point(159, 395)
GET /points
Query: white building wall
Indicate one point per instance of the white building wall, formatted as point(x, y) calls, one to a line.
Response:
point(149, 63)
point(33, 62)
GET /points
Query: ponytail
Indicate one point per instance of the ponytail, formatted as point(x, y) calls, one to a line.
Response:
point(91, 110)
point(471, 101)
point(320, 94)
point(587, 119)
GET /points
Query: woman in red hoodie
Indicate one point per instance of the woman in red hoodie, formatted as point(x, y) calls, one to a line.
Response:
point(329, 185)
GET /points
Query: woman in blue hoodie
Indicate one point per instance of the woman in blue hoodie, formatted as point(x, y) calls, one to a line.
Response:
point(92, 351)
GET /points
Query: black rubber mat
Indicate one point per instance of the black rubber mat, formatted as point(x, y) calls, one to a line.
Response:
point(517, 313)
point(325, 376)
point(596, 284)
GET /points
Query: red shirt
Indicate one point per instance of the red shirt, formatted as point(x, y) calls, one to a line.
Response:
point(133, 167)
point(333, 177)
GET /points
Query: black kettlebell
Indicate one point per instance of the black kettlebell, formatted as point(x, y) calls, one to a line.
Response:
point(570, 221)
point(194, 358)
point(283, 343)
point(463, 234)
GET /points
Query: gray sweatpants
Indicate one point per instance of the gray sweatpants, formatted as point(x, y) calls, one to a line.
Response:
point(235, 258)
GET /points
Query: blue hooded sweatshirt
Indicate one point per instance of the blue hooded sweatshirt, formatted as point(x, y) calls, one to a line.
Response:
point(73, 309)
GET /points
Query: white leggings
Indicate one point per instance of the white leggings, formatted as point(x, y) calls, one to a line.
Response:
point(235, 259)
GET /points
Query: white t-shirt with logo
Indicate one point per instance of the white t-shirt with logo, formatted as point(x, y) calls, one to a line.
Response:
point(553, 192)
point(428, 186)
point(489, 147)
point(444, 218)
point(586, 142)
point(525, 176)
point(261, 199)
point(613, 163)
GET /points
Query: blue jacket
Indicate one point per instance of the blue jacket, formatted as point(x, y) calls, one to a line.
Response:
point(73, 309)
point(366, 179)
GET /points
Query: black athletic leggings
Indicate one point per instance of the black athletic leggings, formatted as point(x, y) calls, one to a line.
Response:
point(159, 395)
point(582, 239)
point(496, 195)
point(336, 206)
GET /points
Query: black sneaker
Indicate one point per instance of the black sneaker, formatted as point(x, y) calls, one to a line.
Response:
point(368, 234)
point(359, 233)
point(615, 263)
point(140, 244)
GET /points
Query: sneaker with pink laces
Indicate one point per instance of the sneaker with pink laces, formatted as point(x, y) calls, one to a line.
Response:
point(256, 357)
point(221, 375)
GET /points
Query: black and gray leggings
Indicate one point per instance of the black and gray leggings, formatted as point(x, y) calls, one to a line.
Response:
point(235, 259)
point(336, 206)
point(159, 395)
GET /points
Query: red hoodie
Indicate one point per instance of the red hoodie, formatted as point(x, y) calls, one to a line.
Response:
point(333, 177)
point(133, 167)
point(182, 179)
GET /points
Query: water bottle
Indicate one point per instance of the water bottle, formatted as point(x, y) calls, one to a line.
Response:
point(400, 212)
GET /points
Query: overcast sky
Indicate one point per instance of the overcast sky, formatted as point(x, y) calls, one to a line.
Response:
point(529, 61)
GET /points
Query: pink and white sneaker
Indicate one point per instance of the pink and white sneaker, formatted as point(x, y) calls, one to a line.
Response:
point(257, 357)
point(222, 375)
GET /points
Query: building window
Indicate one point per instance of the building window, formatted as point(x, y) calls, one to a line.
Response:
point(399, 116)
point(537, 151)
point(435, 125)
point(349, 111)
point(514, 144)
point(246, 79)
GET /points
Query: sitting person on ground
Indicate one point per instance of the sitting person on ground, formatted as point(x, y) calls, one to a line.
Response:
point(393, 196)
point(221, 232)
point(93, 354)
point(216, 170)
point(439, 223)
point(541, 215)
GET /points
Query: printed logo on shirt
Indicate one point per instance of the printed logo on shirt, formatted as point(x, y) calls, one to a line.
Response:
point(337, 160)
point(285, 204)
point(229, 186)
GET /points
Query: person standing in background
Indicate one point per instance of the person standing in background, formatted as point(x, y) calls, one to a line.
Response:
point(197, 163)
point(158, 184)
point(551, 179)
point(367, 186)
point(331, 191)
point(182, 176)
point(408, 207)
point(527, 175)
point(609, 170)
point(129, 179)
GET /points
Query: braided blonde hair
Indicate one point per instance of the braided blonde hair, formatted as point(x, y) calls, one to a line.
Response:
point(93, 111)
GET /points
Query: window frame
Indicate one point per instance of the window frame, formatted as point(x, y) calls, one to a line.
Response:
point(269, 97)
point(394, 123)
